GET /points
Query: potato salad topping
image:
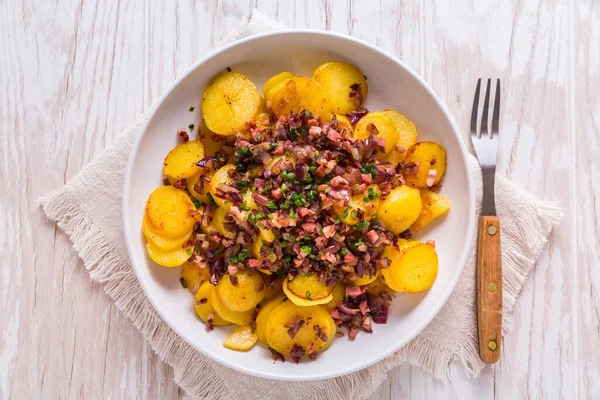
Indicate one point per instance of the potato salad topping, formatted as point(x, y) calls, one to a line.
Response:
point(292, 214)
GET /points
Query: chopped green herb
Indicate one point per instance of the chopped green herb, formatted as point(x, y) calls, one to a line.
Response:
point(228, 69)
point(343, 251)
point(270, 216)
point(196, 202)
point(303, 130)
point(362, 225)
point(272, 206)
point(308, 114)
point(272, 145)
point(188, 251)
point(284, 244)
point(293, 214)
point(293, 133)
point(306, 250)
point(192, 108)
point(245, 151)
point(191, 126)
point(353, 215)
point(210, 198)
point(316, 153)
point(219, 250)
point(242, 184)
point(308, 295)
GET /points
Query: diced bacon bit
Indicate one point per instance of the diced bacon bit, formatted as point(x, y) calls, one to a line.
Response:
point(315, 130)
point(366, 178)
point(339, 182)
point(364, 308)
point(254, 263)
point(166, 182)
point(354, 291)
point(183, 135)
point(366, 323)
point(209, 322)
point(303, 211)
point(335, 313)
point(234, 280)
point(297, 352)
point(298, 261)
point(203, 300)
point(313, 122)
point(349, 257)
point(373, 236)
point(353, 332)
point(180, 184)
point(339, 335)
point(294, 327)
point(232, 269)
point(276, 193)
point(329, 231)
point(431, 175)
point(279, 150)
point(309, 227)
point(333, 135)
point(431, 243)
point(328, 257)
point(433, 161)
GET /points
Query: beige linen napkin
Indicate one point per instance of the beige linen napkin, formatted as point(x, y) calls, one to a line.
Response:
point(88, 209)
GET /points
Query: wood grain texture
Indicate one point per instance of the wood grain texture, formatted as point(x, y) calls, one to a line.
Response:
point(489, 289)
point(73, 74)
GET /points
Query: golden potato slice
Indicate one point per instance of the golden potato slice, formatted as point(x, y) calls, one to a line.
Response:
point(194, 276)
point(263, 317)
point(344, 123)
point(287, 314)
point(275, 89)
point(219, 222)
point(235, 317)
point(431, 159)
point(262, 120)
point(181, 161)
point(242, 339)
point(274, 80)
point(204, 307)
point(244, 296)
point(337, 79)
point(229, 100)
point(302, 302)
point(297, 94)
point(211, 141)
point(221, 176)
point(308, 287)
point(203, 187)
point(357, 204)
point(168, 212)
point(434, 205)
point(400, 209)
point(339, 292)
point(385, 129)
point(407, 136)
point(365, 279)
point(413, 268)
point(378, 286)
point(168, 258)
point(163, 243)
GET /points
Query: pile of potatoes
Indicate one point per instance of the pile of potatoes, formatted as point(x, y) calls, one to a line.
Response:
point(231, 100)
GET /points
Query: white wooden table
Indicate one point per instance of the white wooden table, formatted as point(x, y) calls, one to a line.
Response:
point(73, 74)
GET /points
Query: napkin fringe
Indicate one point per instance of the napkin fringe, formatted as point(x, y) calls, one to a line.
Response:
point(192, 372)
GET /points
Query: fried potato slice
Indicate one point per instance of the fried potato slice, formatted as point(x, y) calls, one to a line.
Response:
point(235, 317)
point(274, 80)
point(365, 279)
point(204, 307)
point(414, 267)
point(378, 124)
point(168, 212)
point(168, 258)
point(407, 136)
point(431, 160)
point(242, 339)
point(211, 141)
point(302, 302)
point(229, 100)
point(198, 186)
point(288, 314)
point(309, 287)
point(181, 161)
point(194, 276)
point(263, 317)
point(219, 222)
point(163, 243)
point(243, 296)
point(400, 209)
point(434, 205)
point(339, 292)
point(297, 94)
point(338, 80)
point(221, 176)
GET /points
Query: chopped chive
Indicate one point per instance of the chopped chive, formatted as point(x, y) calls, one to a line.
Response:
point(191, 126)
point(192, 108)
point(228, 69)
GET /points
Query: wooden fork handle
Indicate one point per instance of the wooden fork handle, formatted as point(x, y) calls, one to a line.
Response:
point(489, 290)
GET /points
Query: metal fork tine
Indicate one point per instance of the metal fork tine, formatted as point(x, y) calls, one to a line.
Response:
point(475, 107)
point(496, 116)
point(486, 106)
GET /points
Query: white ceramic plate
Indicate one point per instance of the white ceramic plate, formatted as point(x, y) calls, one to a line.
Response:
point(392, 85)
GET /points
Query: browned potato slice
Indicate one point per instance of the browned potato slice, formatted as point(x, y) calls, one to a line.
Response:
point(384, 126)
point(339, 80)
point(378, 286)
point(309, 287)
point(339, 292)
point(181, 161)
point(434, 205)
point(407, 136)
point(297, 94)
point(194, 276)
point(197, 182)
point(211, 141)
point(221, 177)
point(168, 258)
point(400, 208)
point(431, 159)
point(365, 279)
point(288, 313)
point(229, 100)
point(344, 123)
point(303, 302)
point(274, 80)
point(219, 222)
point(204, 307)
point(168, 212)
point(263, 317)
point(163, 243)
point(413, 268)
point(242, 339)
point(235, 317)
point(244, 296)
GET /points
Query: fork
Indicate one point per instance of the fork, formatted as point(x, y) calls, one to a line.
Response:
point(489, 262)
